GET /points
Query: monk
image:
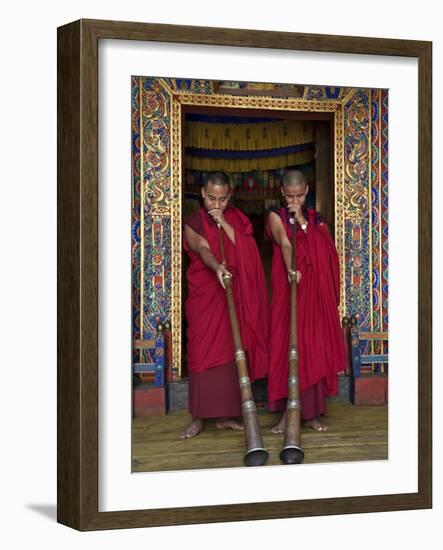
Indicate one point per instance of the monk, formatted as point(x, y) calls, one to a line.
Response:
point(320, 341)
point(213, 381)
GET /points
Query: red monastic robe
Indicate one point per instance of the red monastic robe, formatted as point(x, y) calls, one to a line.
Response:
point(209, 334)
point(320, 341)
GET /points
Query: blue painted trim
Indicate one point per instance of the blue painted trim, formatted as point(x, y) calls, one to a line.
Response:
point(219, 153)
point(365, 359)
point(158, 367)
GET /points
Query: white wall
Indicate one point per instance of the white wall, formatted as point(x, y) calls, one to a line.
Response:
point(28, 272)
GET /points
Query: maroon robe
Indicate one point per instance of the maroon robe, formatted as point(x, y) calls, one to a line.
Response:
point(213, 383)
point(320, 341)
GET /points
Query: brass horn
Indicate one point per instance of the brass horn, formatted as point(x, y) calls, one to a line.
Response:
point(256, 454)
point(292, 452)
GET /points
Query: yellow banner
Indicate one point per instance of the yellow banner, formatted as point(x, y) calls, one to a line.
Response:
point(247, 137)
point(207, 164)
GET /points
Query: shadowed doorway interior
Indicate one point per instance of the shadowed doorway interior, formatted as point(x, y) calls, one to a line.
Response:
point(254, 147)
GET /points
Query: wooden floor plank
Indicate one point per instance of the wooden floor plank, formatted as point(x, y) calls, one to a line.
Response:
point(354, 433)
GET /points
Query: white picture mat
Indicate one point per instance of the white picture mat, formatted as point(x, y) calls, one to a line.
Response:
point(118, 488)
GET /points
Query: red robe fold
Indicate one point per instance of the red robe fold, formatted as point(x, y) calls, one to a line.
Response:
point(320, 341)
point(210, 341)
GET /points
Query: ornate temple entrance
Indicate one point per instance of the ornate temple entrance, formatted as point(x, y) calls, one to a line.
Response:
point(350, 187)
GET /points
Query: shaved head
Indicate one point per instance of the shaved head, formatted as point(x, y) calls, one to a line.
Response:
point(216, 178)
point(294, 187)
point(293, 177)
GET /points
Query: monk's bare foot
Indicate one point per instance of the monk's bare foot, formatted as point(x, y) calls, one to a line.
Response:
point(229, 423)
point(194, 428)
point(315, 425)
point(280, 427)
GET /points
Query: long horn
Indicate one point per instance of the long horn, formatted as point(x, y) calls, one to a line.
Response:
point(292, 452)
point(256, 454)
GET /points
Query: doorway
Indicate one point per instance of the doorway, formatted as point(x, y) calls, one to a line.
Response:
point(256, 185)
